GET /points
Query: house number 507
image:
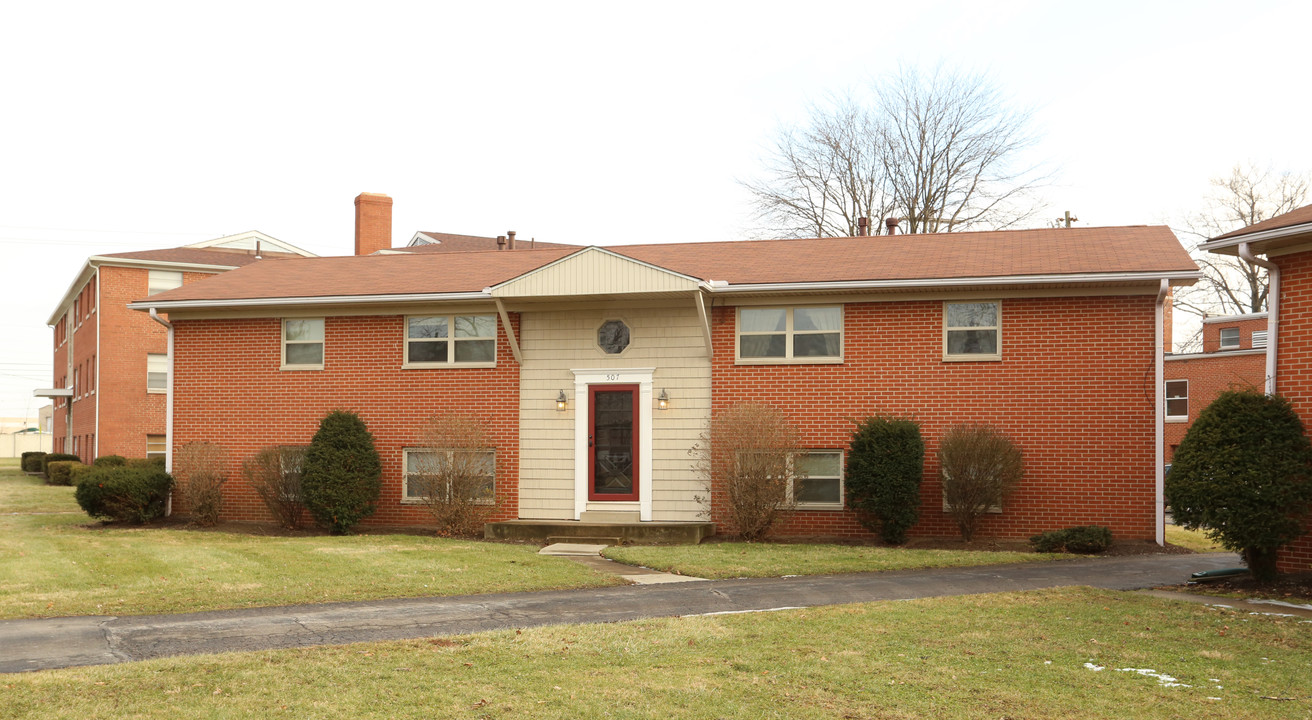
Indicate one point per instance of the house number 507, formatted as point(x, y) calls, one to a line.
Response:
point(613, 377)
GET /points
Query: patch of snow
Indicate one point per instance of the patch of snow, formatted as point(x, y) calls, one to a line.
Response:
point(1162, 678)
point(1281, 603)
point(740, 612)
point(1095, 668)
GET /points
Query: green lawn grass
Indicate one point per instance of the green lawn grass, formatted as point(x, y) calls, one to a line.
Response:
point(22, 493)
point(731, 560)
point(1195, 540)
point(1015, 655)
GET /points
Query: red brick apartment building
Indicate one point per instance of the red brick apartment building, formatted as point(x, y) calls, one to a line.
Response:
point(110, 363)
point(597, 368)
point(1283, 245)
point(1233, 358)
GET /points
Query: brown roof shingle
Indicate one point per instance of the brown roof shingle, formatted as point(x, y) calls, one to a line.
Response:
point(1010, 253)
point(194, 256)
point(1301, 216)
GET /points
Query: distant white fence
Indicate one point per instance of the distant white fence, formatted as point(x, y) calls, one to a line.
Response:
point(13, 445)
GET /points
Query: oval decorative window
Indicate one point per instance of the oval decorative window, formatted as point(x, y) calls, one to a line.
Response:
point(613, 337)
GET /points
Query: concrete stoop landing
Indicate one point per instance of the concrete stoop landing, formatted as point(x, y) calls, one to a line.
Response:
point(590, 531)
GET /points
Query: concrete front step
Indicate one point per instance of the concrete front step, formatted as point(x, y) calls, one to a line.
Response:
point(612, 540)
point(647, 533)
point(609, 517)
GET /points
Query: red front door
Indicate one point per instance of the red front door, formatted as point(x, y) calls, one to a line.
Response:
point(613, 442)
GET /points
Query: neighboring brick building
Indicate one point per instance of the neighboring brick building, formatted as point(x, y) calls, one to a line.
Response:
point(110, 364)
point(597, 369)
point(1286, 243)
point(1233, 358)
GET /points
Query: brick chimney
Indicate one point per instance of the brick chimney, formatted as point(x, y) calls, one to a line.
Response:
point(373, 223)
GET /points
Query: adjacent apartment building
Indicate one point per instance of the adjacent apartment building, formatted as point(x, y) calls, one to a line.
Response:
point(596, 369)
point(1233, 357)
point(110, 363)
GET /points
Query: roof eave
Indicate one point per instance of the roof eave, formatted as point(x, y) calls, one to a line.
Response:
point(856, 285)
point(1227, 244)
point(168, 305)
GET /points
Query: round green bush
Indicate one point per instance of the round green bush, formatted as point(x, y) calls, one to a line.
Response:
point(1243, 472)
point(55, 457)
point(31, 461)
point(125, 494)
point(342, 475)
point(60, 472)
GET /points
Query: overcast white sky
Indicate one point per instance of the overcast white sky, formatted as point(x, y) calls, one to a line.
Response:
point(130, 126)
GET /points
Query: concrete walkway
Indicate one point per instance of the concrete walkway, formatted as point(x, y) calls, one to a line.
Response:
point(65, 642)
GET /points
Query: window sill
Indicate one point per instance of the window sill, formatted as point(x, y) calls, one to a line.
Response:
point(789, 361)
point(297, 368)
point(972, 358)
point(447, 366)
point(819, 507)
point(155, 391)
point(424, 501)
point(1177, 419)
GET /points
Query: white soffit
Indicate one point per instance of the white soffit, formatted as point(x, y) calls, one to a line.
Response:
point(595, 271)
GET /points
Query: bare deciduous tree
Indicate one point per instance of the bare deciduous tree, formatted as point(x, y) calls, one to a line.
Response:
point(453, 474)
point(748, 456)
point(200, 469)
point(941, 151)
point(979, 468)
point(1248, 195)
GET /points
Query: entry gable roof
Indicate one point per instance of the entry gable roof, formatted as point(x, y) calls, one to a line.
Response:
point(595, 271)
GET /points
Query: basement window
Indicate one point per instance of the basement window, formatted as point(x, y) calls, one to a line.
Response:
point(431, 472)
point(822, 488)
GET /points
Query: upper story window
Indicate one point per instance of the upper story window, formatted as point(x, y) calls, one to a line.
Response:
point(302, 344)
point(161, 280)
point(437, 340)
point(157, 373)
point(798, 335)
point(1230, 338)
point(1177, 399)
point(972, 331)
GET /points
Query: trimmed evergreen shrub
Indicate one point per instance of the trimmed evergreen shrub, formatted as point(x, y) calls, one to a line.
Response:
point(1243, 473)
point(60, 472)
point(55, 457)
point(31, 461)
point(77, 471)
point(126, 494)
point(155, 463)
point(342, 475)
point(110, 461)
point(1086, 539)
point(884, 468)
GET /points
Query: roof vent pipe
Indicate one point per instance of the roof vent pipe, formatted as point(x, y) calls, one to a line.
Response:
point(501, 242)
point(891, 224)
point(510, 241)
point(863, 227)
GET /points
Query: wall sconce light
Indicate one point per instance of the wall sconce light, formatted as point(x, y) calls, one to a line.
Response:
point(664, 400)
point(561, 401)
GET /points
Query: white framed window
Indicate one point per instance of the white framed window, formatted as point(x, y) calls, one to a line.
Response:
point(302, 344)
point(425, 466)
point(1177, 400)
point(444, 340)
point(823, 485)
point(1230, 338)
point(156, 445)
point(161, 280)
point(157, 373)
point(790, 335)
point(972, 330)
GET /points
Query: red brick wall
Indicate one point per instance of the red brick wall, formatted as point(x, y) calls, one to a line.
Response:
point(1209, 376)
point(229, 390)
point(1075, 389)
point(1294, 368)
point(128, 413)
point(80, 329)
point(1212, 333)
point(59, 418)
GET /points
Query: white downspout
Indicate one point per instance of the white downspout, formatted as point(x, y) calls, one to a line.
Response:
point(1159, 413)
point(1272, 311)
point(168, 409)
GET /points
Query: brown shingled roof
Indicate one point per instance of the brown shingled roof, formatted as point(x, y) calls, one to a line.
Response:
point(1301, 216)
point(912, 257)
point(195, 256)
point(449, 242)
point(1009, 253)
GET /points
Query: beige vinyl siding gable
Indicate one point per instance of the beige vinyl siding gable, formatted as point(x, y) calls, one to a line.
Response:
point(593, 271)
point(555, 341)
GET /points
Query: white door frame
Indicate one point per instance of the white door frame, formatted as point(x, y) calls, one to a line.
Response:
point(585, 378)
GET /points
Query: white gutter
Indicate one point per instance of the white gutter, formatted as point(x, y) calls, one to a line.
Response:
point(949, 282)
point(168, 409)
point(1159, 412)
point(95, 370)
point(1271, 234)
point(1272, 311)
point(167, 305)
